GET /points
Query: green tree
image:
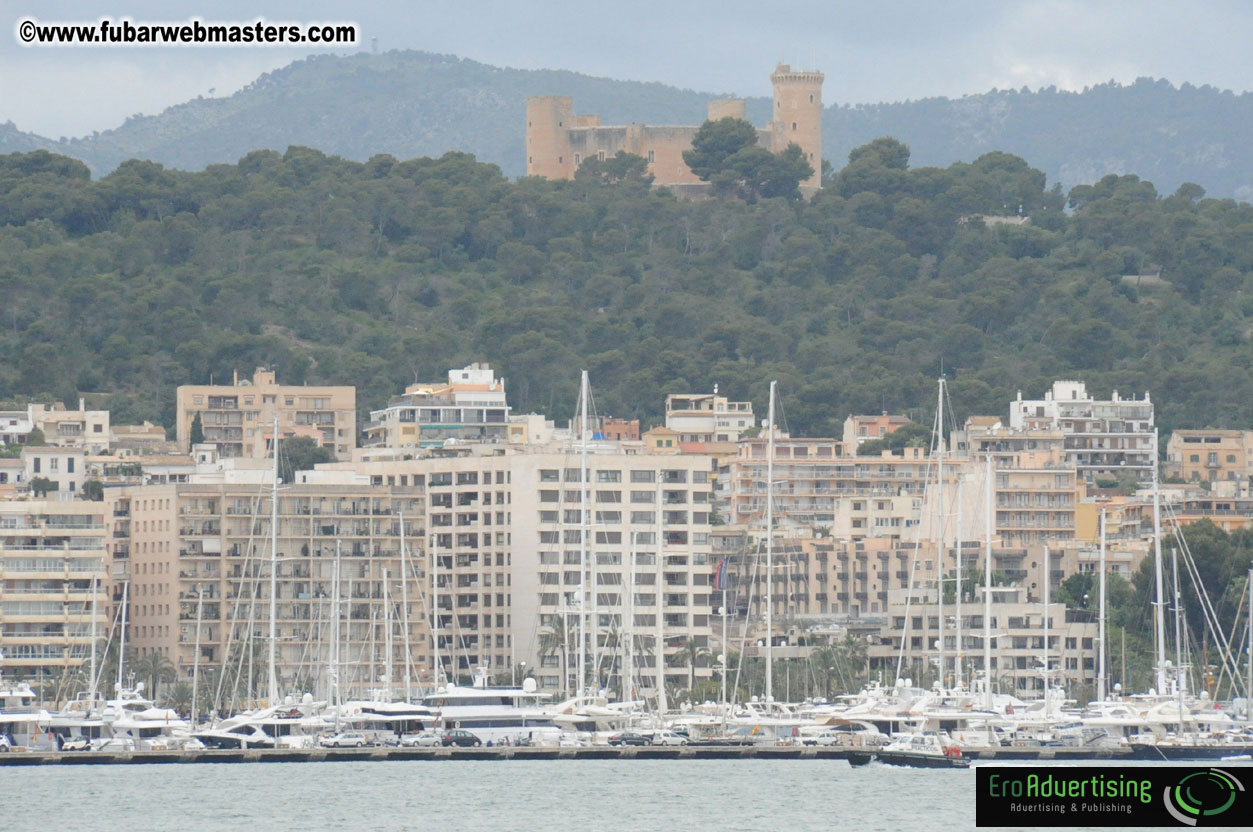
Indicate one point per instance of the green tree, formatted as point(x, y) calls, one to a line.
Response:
point(301, 453)
point(154, 668)
point(196, 436)
point(621, 167)
point(42, 486)
point(690, 655)
point(36, 438)
point(717, 141)
point(93, 490)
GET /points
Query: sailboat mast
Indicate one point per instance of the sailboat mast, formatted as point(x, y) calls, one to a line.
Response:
point(404, 612)
point(627, 636)
point(583, 565)
point(91, 681)
point(1179, 678)
point(272, 689)
point(195, 659)
point(987, 584)
point(333, 675)
point(1248, 690)
point(437, 667)
point(388, 646)
point(957, 658)
point(121, 651)
point(1101, 682)
point(660, 651)
point(1048, 567)
point(1159, 608)
point(941, 543)
point(770, 550)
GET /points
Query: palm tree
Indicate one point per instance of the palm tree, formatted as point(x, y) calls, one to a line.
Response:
point(155, 668)
point(557, 640)
point(687, 656)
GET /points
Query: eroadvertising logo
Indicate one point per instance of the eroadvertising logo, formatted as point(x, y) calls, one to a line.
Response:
point(1112, 796)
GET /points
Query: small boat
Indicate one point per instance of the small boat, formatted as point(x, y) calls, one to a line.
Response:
point(927, 749)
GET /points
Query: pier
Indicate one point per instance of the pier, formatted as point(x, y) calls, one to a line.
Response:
point(688, 752)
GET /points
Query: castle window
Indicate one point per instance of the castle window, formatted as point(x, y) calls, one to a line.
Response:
point(561, 160)
point(600, 154)
point(529, 160)
point(577, 157)
point(650, 157)
point(811, 98)
point(793, 125)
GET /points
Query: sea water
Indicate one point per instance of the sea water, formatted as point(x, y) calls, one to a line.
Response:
point(454, 795)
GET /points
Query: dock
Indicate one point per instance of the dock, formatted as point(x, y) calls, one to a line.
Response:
point(688, 752)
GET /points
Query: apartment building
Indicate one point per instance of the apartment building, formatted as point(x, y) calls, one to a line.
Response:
point(197, 556)
point(819, 489)
point(239, 417)
point(1018, 650)
point(81, 428)
point(707, 417)
point(1210, 455)
point(861, 429)
point(470, 407)
point(525, 546)
point(53, 588)
point(1104, 439)
point(65, 468)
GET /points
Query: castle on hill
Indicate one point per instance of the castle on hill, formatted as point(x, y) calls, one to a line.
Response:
point(558, 139)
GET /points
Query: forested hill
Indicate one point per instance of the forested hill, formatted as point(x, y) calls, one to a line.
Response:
point(376, 274)
point(413, 104)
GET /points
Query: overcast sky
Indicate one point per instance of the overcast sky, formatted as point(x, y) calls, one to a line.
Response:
point(887, 50)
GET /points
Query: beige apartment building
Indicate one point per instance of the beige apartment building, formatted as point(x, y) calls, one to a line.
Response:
point(1210, 455)
point(239, 417)
point(818, 488)
point(1018, 648)
point(201, 552)
point(512, 526)
point(861, 429)
point(53, 586)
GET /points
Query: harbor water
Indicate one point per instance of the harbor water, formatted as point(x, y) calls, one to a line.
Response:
point(448, 796)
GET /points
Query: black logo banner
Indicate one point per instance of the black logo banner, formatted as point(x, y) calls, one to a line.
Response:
point(1114, 796)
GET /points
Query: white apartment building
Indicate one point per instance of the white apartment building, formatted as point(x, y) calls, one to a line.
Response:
point(471, 407)
point(81, 428)
point(1102, 438)
point(707, 417)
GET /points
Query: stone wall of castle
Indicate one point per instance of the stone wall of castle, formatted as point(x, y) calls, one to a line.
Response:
point(558, 140)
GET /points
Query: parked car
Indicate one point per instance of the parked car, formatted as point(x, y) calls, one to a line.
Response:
point(425, 739)
point(461, 739)
point(5, 744)
point(668, 738)
point(628, 738)
point(347, 739)
point(76, 744)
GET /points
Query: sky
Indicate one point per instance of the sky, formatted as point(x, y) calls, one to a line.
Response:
point(887, 50)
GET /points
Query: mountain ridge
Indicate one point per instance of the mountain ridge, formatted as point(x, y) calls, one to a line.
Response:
point(410, 104)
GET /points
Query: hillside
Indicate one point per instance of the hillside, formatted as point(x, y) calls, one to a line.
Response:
point(413, 104)
point(373, 274)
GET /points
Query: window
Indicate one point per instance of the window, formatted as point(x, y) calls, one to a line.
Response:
point(642, 476)
point(600, 154)
point(609, 476)
point(549, 475)
point(549, 496)
point(578, 157)
point(642, 496)
point(793, 125)
point(1196, 458)
point(651, 158)
point(608, 496)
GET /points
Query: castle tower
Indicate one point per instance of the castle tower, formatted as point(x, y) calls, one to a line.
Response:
point(797, 116)
point(548, 122)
